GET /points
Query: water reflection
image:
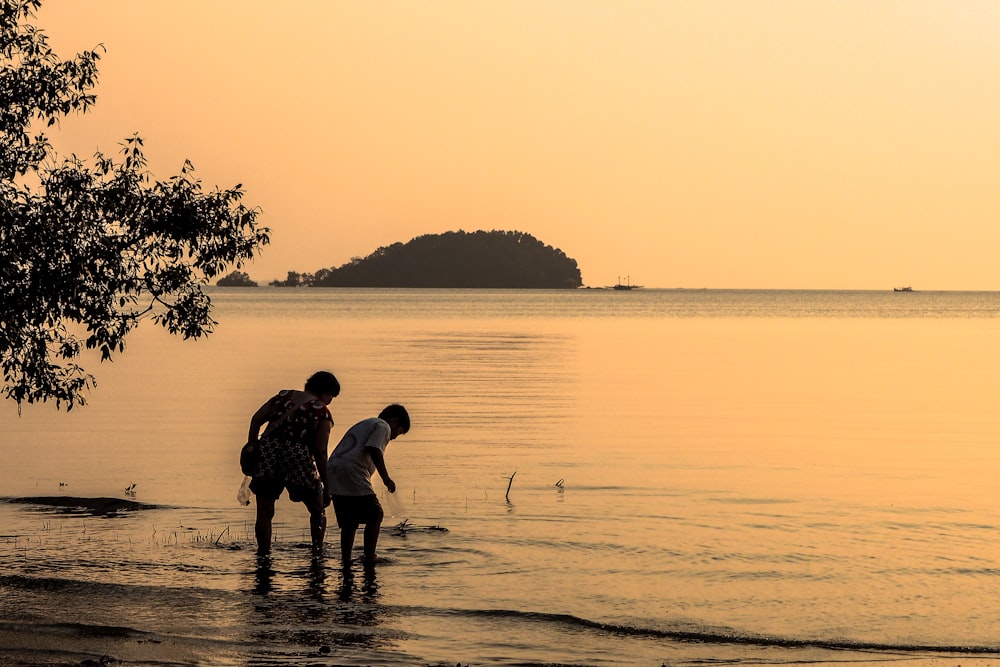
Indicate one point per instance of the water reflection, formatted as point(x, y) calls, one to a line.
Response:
point(366, 592)
point(263, 576)
point(316, 579)
point(312, 607)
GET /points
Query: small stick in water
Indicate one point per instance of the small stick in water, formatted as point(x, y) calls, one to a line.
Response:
point(507, 495)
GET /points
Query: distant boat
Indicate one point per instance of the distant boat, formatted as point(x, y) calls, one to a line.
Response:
point(624, 286)
point(902, 289)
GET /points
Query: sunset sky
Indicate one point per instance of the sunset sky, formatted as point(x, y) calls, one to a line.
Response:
point(695, 143)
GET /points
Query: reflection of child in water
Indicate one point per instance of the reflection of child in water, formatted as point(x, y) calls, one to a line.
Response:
point(349, 471)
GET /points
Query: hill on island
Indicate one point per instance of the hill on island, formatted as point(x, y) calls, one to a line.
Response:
point(495, 259)
point(236, 279)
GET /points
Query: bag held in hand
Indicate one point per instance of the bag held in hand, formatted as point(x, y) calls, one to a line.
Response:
point(249, 458)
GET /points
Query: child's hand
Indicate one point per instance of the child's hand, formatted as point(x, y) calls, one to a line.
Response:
point(391, 485)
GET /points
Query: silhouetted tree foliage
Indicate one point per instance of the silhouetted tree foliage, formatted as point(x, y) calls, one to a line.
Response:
point(495, 259)
point(87, 250)
point(294, 279)
point(236, 279)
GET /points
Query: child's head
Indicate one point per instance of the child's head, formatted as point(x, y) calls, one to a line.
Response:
point(323, 383)
point(396, 414)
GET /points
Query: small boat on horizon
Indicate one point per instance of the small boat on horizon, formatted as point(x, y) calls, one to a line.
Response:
point(902, 289)
point(624, 286)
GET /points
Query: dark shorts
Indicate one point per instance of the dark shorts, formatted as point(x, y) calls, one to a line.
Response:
point(355, 510)
point(272, 488)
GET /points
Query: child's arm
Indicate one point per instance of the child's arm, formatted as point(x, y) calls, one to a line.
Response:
point(320, 449)
point(379, 460)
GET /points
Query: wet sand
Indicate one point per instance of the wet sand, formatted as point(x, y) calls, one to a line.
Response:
point(22, 645)
point(79, 646)
point(105, 507)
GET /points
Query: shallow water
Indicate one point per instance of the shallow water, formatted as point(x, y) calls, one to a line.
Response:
point(697, 476)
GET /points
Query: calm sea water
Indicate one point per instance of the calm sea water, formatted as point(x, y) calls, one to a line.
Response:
point(592, 478)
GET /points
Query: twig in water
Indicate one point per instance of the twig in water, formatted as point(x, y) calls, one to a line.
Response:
point(507, 495)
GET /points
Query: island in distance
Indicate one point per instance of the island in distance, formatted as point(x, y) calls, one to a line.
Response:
point(481, 259)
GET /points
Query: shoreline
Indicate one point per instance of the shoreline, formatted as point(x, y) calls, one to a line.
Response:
point(80, 645)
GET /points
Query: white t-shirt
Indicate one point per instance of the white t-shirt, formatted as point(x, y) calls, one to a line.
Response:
point(350, 468)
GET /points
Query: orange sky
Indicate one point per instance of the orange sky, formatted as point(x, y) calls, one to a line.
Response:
point(702, 143)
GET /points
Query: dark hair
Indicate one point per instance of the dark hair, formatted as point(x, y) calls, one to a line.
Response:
point(399, 413)
point(323, 382)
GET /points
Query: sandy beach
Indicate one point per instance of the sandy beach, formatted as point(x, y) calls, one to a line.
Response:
point(68, 645)
point(22, 645)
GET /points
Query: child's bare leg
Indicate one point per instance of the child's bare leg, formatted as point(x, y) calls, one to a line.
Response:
point(347, 543)
point(317, 526)
point(371, 541)
point(262, 528)
point(317, 522)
